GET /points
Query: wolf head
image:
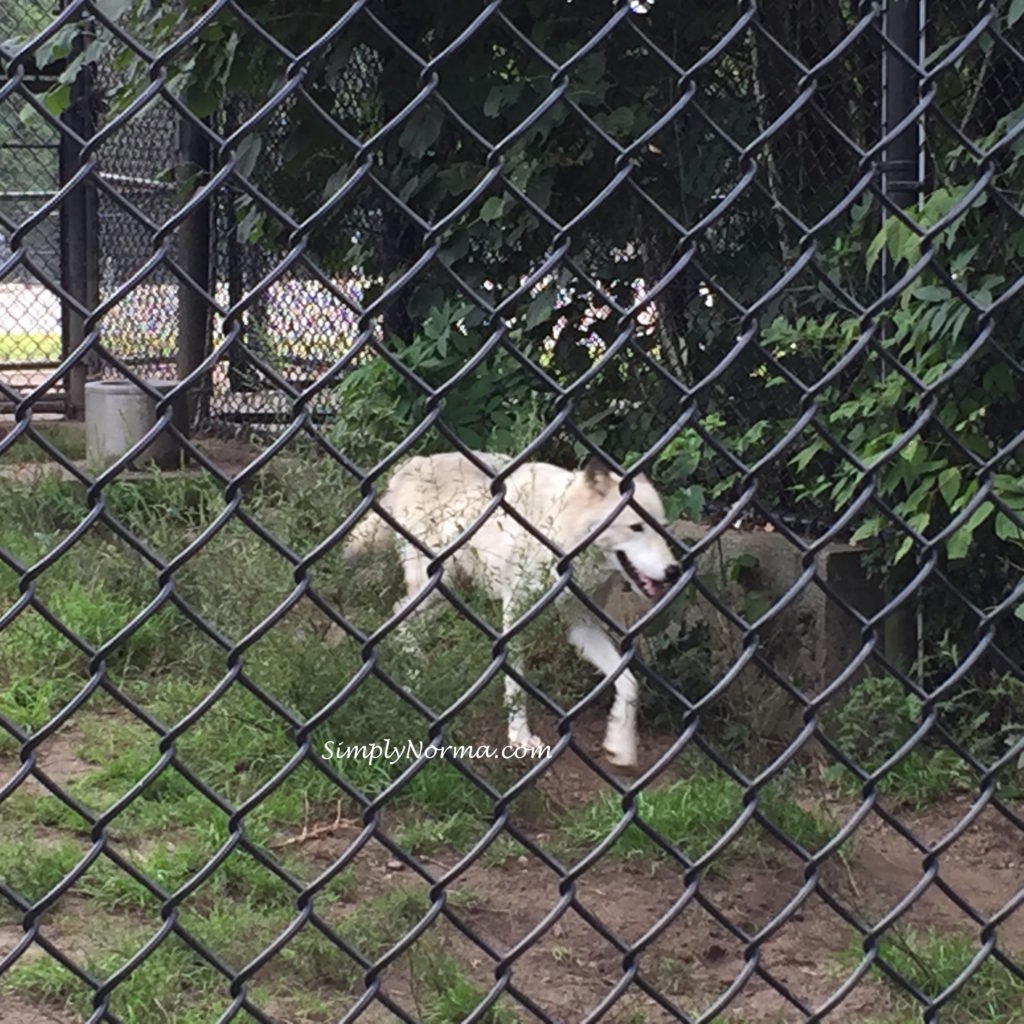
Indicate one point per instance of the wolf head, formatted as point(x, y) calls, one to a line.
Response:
point(632, 544)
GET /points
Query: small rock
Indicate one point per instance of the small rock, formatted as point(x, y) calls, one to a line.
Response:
point(522, 859)
point(394, 865)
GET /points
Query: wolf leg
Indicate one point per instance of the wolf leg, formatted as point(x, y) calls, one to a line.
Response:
point(519, 734)
point(620, 741)
point(414, 566)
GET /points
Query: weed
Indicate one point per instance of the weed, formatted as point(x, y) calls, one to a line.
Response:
point(68, 438)
point(668, 974)
point(459, 830)
point(453, 996)
point(932, 961)
point(692, 814)
point(32, 867)
point(501, 850)
point(878, 716)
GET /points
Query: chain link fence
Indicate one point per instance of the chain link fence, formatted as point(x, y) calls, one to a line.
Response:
point(764, 259)
point(29, 174)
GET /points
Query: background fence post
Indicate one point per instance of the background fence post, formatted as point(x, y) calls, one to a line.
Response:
point(903, 26)
point(194, 258)
point(79, 233)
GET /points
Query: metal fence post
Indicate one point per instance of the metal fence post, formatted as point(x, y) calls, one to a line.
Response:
point(79, 252)
point(194, 258)
point(903, 25)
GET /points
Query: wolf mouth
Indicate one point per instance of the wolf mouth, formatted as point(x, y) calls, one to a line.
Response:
point(650, 587)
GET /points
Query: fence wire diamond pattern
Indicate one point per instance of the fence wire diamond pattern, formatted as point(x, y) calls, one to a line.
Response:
point(773, 257)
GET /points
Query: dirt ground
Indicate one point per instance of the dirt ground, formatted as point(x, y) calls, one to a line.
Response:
point(565, 941)
point(693, 957)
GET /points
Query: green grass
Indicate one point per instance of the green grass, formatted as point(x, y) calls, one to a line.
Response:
point(236, 746)
point(172, 986)
point(692, 814)
point(67, 438)
point(237, 913)
point(878, 715)
point(931, 961)
point(29, 346)
point(32, 868)
point(453, 996)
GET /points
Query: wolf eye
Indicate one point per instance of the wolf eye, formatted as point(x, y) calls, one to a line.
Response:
point(637, 527)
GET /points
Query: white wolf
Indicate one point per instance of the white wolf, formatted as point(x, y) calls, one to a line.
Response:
point(436, 498)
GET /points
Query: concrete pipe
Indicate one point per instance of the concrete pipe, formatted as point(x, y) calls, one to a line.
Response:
point(117, 415)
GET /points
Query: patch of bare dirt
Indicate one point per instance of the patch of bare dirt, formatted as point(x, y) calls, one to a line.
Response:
point(56, 756)
point(231, 455)
point(18, 1011)
point(983, 868)
point(70, 924)
point(690, 953)
point(568, 942)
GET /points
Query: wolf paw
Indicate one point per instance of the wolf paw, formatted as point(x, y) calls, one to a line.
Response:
point(526, 740)
point(620, 750)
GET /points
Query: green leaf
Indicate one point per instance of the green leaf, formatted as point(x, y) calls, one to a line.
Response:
point(745, 561)
point(693, 502)
point(540, 309)
point(1007, 529)
point(958, 545)
point(56, 100)
point(869, 528)
point(491, 210)
point(58, 46)
point(248, 153)
point(619, 122)
point(421, 131)
point(202, 102)
point(875, 249)
point(757, 602)
point(1015, 13)
point(901, 551)
point(912, 449)
point(502, 96)
point(932, 293)
point(686, 503)
point(1018, 612)
point(949, 484)
point(250, 227)
point(999, 379)
point(965, 497)
point(906, 242)
point(803, 457)
point(1010, 490)
point(919, 521)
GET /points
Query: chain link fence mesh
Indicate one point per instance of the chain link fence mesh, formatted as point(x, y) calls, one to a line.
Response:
point(29, 174)
point(667, 235)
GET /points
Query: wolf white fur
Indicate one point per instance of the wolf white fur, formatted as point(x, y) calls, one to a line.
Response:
point(437, 497)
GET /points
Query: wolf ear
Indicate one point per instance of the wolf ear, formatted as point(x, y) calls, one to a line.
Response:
point(598, 475)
